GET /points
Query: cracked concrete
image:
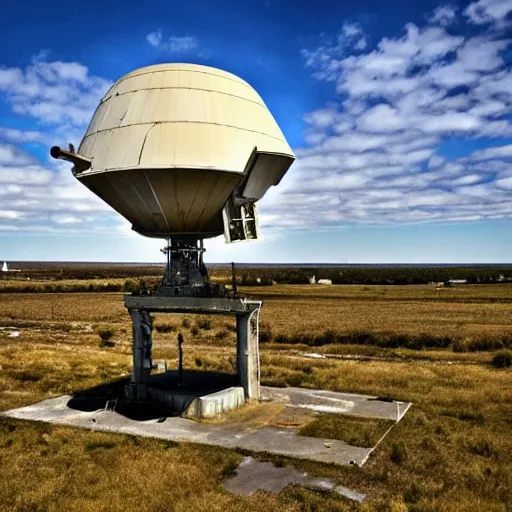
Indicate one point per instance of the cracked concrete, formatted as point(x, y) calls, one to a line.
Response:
point(253, 475)
point(279, 441)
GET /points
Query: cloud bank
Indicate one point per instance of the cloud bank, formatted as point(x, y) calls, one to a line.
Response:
point(380, 152)
point(59, 99)
point(418, 130)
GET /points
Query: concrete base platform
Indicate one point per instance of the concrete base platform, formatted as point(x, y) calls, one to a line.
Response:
point(319, 400)
point(204, 392)
point(279, 441)
point(215, 404)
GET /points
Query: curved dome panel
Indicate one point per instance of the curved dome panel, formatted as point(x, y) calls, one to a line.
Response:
point(169, 144)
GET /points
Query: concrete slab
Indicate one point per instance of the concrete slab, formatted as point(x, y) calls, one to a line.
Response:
point(253, 475)
point(279, 441)
point(348, 493)
point(271, 440)
point(318, 400)
point(214, 404)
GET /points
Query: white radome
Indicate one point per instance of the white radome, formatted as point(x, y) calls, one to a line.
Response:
point(182, 150)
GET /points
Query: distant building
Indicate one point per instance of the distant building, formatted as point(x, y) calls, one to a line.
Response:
point(314, 280)
point(455, 282)
point(5, 268)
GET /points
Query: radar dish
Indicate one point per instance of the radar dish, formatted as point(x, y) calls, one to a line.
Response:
point(182, 151)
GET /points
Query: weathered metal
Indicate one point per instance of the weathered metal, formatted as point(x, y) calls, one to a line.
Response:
point(142, 388)
point(171, 145)
point(201, 305)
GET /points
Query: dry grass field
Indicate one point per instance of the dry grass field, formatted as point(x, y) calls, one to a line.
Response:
point(451, 452)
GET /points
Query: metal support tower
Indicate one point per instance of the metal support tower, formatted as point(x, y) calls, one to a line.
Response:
point(247, 333)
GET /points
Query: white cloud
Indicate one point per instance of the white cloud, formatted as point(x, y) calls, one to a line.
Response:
point(505, 183)
point(435, 161)
point(444, 15)
point(321, 118)
point(488, 11)
point(493, 152)
point(351, 29)
point(382, 118)
point(155, 38)
point(58, 98)
point(326, 59)
point(22, 136)
point(11, 155)
point(361, 44)
point(182, 44)
point(54, 93)
point(172, 44)
point(38, 198)
point(375, 154)
point(482, 54)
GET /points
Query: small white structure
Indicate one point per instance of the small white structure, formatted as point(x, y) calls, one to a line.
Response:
point(312, 280)
point(324, 281)
point(4, 267)
point(455, 282)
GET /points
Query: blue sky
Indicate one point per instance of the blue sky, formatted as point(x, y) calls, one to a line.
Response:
point(399, 113)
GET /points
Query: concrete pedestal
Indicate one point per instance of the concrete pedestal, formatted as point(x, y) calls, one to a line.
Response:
point(247, 329)
point(247, 353)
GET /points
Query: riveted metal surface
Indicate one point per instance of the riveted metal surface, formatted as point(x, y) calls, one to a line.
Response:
point(169, 143)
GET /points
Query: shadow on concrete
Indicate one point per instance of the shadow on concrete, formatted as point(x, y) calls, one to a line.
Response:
point(166, 397)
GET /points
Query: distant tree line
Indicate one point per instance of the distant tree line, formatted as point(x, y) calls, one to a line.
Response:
point(249, 275)
point(374, 275)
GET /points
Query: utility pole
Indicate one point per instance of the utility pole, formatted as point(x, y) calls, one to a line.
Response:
point(180, 359)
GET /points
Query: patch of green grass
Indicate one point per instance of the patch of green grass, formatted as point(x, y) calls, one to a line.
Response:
point(502, 359)
point(165, 327)
point(204, 323)
point(353, 430)
point(482, 446)
point(265, 333)
point(26, 375)
point(473, 417)
point(222, 334)
point(99, 445)
point(106, 333)
point(398, 453)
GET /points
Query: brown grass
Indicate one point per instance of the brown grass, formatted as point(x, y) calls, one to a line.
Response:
point(470, 317)
point(451, 452)
point(469, 314)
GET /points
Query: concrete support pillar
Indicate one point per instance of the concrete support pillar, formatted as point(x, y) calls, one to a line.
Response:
point(142, 327)
point(248, 356)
